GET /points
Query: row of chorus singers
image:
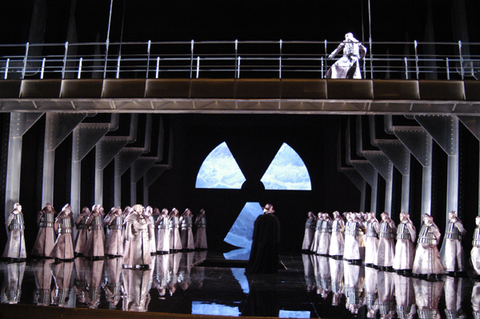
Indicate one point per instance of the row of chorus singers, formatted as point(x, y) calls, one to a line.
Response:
point(362, 238)
point(135, 233)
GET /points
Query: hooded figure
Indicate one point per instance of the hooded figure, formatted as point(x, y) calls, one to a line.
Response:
point(15, 225)
point(404, 249)
point(348, 66)
point(427, 260)
point(452, 250)
point(264, 255)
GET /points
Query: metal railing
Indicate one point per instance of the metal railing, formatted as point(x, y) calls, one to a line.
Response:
point(233, 59)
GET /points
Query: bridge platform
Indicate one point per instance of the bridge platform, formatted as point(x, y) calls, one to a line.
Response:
point(302, 96)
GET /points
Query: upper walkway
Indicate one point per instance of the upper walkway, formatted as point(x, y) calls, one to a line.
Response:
point(237, 76)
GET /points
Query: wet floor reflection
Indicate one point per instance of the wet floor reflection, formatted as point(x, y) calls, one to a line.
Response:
point(310, 286)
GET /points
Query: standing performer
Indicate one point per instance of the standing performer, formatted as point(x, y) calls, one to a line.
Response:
point(63, 248)
point(354, 243)
point(427, 260)
point(137, 239)
point(309, 232)
point(404, 249)
point(475, 253)
point(174, 227)
point(186, 232)
point(153, 243)
point(46, 235)
point(114, 237)
point(15, 225)
point(82, 232)
point(347, 67)
point(337, 240)
point(386, 244)
point(264, 255)
point(371, 241)
point(96, 240)
point(452, 250)
point(325, 234)
point(316, 236)
point(163, 235)
point(201, 231)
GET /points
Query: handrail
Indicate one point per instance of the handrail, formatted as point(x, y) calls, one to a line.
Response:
point(232, 59)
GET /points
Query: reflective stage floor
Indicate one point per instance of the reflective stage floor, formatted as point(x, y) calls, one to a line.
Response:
point(206, 284)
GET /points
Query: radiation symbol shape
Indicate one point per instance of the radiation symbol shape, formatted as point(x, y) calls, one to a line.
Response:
point(220, 170)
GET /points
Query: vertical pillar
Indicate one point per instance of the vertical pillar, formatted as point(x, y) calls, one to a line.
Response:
point(20, 123)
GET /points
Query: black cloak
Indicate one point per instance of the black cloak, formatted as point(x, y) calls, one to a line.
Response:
point(264, 255)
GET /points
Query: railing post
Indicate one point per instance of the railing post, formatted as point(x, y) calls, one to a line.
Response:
point(237, 64)
point(448, 68)
point(107, 44)
point(198, 67)
point(157, 67)
point(321, 69)
point(118, 66)
point(191, 59)
point(80, 64)
point(415, 43)
point(462, 70)
point(280, 61)
point(24, 69)
point(406, 67)
point(42, 70)
point(65, 60)
point(148, 56)
point(238, 67)
point(326, 55)
point(7, 65)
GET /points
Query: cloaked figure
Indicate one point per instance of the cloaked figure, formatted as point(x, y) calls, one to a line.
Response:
point(15, 225)
point(138, 234)
point(316, 234)
point(46, 234)
point(427, 260)
point(153, 242)
point(452, 250)
point(63, 248)
point(404, 248)
point(95, 248)
point(200, 225)
point(337, 241)
point(113, 222)
point(325, 235)
point(309, 232)
point(12, 283)
point(348, 66)
point(82, 232)
point(354, 239)
point(371, 239)
point(163, 235)
point(386, 243)
point(186, 230)
point(174, 230)
point(264, 254)
point(475, 252)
